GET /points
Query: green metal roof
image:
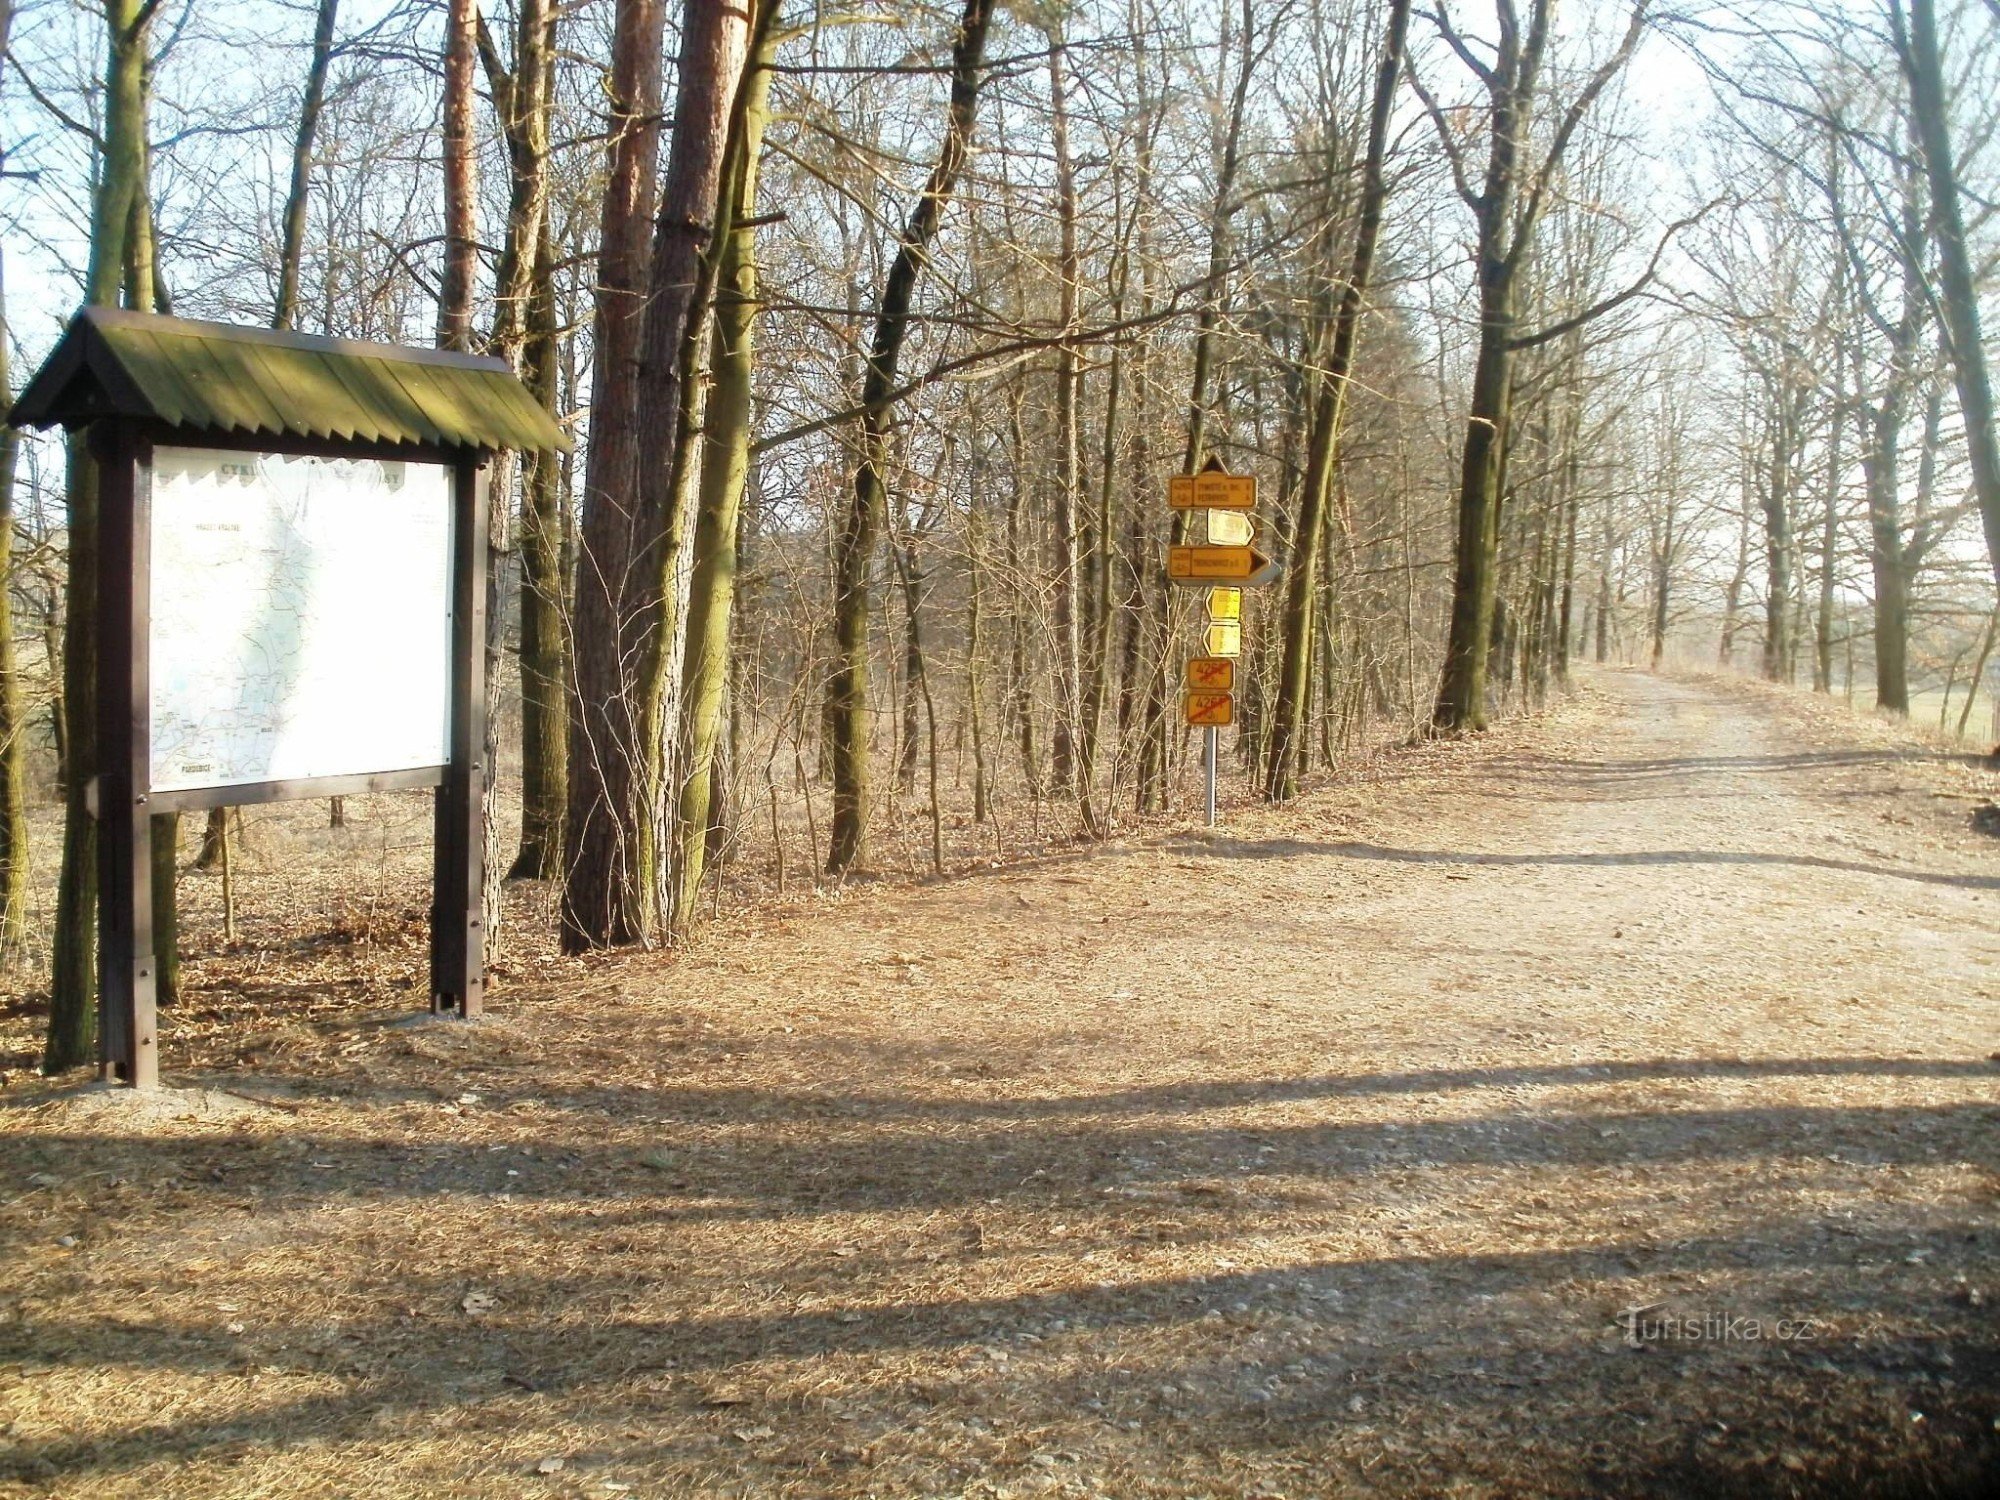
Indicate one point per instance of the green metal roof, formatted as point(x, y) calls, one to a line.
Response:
point(216, 377)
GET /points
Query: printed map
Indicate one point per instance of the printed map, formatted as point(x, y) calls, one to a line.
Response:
point(301, 617)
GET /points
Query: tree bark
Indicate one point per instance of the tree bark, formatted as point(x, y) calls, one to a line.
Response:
point(847, 688)
point(1775, 498)
point(13, 736)
point(544, 600)
point(1506, 227)
point(1063, 518)
point(714, 41)
point(461, 187)
point(1924, 67)
point(298, 195)
point(725, 469)
point(598, 903)
point(72, 1034)
point(1287, 742)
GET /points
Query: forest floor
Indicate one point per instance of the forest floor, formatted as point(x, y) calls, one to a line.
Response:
point(1316, 1155)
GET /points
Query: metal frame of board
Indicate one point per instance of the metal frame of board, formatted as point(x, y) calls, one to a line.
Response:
point(123, 797)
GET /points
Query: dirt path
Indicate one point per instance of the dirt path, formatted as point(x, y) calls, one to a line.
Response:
point(1316, 1156)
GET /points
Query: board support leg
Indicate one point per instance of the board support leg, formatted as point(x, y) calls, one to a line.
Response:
point(458, 937)
point(127, 985)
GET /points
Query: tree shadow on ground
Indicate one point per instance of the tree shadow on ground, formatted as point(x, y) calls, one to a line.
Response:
point(668, 1101)
point(1286, 848)
point(1684, 765)
point(593, 1301)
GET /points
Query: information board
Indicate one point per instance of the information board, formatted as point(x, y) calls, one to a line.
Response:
point(300, 617)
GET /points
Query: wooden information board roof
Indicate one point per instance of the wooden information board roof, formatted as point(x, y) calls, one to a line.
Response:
point(219, 378)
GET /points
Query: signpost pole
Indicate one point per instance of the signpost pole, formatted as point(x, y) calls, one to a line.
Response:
point(1214, 737)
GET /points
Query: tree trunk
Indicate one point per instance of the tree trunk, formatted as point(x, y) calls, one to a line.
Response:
point(14, 853)
point(1461, 701)
point(725, 467)
point(1663, 580)
point(13, 735)
point(1890, 566)
point(1829, 530)
point(1572, 502)
point(974, 641)
point(461, 187)
point(1021, 690)
point(544, 644)
point(1287, 741)
point(1978, 672)
point(297, 197)
point(1506, 224)
point(1776, 501)
point(714, 41)
point(1063, 517)
point(909, 571)
point(524, 336)
point(72, 1034)
point(847, 689)
point(1918, 47)
point(598, 903)
point(1732, 598)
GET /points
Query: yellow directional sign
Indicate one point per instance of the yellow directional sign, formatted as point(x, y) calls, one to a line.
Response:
point(1214, 674)
point(1211, 490)
point(1208, 564)
point(1209, 710)
point(1225, 603)
point(1224, 638)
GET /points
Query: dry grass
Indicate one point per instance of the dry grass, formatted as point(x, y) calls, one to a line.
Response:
point(1316, 1156)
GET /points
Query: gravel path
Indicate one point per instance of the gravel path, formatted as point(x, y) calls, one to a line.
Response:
point(1604, 1108)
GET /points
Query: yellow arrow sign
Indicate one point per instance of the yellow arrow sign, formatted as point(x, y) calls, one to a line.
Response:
point(1225, 603)
point(1224, 638)
point(1211, 490)
point(1214, 674)
point(1209, 710)
point(1207, 564)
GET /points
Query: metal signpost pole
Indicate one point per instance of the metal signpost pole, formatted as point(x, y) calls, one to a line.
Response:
point(1214, 741)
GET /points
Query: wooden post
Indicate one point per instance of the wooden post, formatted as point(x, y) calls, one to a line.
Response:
point(127, 1020)
point(458, 938)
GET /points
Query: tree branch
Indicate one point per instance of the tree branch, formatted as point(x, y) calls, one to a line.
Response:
point(1597, 310)
point(1451, 151)
point(1579, 107)
point(1439, 19)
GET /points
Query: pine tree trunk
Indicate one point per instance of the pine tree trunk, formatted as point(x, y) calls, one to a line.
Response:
point(599, 903)
point(713, 48)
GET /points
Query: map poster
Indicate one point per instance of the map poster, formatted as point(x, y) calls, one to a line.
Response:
point(301, 617)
